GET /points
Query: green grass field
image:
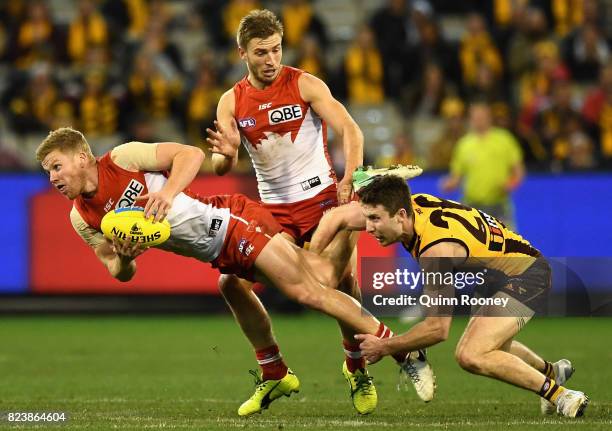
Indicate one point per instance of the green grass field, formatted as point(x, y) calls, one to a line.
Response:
point(191, 373)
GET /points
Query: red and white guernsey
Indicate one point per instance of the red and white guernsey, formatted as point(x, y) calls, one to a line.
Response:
point(199, 225)
point(286, 139)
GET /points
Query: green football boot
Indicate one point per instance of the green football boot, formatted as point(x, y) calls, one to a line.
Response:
point(364, 175)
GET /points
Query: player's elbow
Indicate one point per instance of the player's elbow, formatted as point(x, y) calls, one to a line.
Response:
point(220, 165)
point(220, 169)
point(124, 278)
point(122, 273)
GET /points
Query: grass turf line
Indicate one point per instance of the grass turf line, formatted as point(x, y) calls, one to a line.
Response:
point(191, 373)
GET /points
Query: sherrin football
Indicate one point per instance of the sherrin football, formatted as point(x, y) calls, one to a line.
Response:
point(129, 224)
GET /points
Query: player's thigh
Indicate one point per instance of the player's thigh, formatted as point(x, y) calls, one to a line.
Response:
point(291, 269)
point(492, 327)
point(484, 334)
point(232, 285)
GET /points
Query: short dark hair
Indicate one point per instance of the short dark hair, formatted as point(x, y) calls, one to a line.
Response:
point(259, 23)
point(390, 191)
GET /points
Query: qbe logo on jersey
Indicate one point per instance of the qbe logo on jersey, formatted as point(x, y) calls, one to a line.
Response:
point(129, 195)
point(284, 114)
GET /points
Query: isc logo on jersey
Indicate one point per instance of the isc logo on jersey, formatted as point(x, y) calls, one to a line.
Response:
point(284, 114)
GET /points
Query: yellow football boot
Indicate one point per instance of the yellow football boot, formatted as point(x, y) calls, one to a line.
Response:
point(363, 391)
point(267, 391)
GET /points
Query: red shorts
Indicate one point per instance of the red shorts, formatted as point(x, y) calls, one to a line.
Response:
point(299, 219)
point(250, 229)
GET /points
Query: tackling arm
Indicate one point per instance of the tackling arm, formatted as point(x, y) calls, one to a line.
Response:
point(345, 217)
point(435, 327)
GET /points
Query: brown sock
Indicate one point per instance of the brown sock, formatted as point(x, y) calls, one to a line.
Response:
point(551, 390)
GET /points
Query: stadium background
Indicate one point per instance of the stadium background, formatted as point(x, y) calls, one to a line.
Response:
point(154, 70)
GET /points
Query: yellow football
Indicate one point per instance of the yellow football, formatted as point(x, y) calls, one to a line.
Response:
point(129, 224)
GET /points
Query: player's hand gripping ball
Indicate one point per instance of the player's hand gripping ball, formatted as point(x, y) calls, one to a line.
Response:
point(129, 224)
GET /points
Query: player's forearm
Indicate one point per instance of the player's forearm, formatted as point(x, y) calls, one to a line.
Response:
point(322, 239)
point(352, 141)
point(330, 224)
point(222, 164)
point(420, 336)
point(185, 166)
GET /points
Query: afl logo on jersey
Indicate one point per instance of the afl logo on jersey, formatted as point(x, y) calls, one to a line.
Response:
point(284, 114)
point(246, 123)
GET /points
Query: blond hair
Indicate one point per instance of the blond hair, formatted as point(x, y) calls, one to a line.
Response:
point(66, 140)
point(259, 23)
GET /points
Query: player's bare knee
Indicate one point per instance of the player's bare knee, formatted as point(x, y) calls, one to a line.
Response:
point(469, 360)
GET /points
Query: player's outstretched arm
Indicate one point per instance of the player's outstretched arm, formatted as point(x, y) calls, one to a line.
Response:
point(345, 217)
point(435, 327)
point(118, 257)
point(225, 140)
point(316, 92)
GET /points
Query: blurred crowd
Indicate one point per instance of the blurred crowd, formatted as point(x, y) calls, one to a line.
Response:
point(153, 70)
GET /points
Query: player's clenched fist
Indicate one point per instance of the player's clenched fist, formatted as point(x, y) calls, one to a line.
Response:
point(372, 347)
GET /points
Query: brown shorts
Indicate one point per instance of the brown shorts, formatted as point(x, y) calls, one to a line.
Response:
point(530, 289)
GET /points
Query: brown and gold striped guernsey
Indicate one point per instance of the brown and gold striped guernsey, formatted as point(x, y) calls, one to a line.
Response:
point(485, 239)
